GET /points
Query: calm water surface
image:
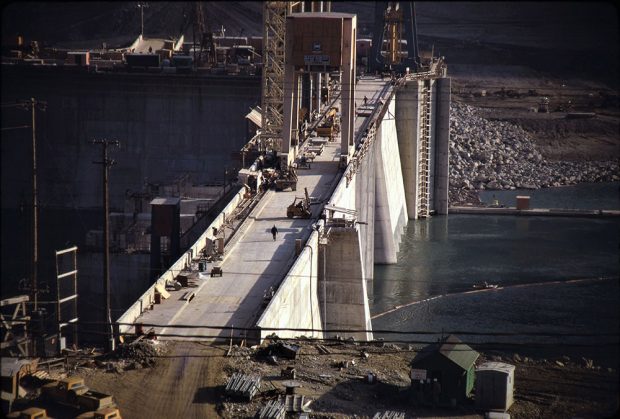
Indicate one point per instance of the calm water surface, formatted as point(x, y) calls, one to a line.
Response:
point(443, 257)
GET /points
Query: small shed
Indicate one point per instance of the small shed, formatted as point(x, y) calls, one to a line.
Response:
point(451, 363)
point(495, 386)
point(523, 202)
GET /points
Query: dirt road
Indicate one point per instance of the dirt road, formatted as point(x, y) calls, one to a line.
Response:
point(182, 384)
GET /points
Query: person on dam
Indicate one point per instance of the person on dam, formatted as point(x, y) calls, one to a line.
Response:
point(274, 232)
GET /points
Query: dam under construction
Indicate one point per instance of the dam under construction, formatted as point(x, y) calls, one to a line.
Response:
point(370, 151)
point(387, 163)
point(336, 217)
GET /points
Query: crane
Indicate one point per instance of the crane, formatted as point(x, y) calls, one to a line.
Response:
point(390, 20)
point(201, 30)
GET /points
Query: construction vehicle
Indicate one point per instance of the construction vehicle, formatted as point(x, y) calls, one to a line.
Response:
point(73, 391)
point(289, 180)
point(108, 413)
point(30, 413)
point(300, 207)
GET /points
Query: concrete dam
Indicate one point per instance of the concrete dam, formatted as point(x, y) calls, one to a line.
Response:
point(168, 125)
point(313, 278)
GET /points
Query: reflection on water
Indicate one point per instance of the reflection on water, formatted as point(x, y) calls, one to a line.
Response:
point(563, 310)
point(450, 254)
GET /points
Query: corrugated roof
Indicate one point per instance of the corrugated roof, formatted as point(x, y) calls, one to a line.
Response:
point(453, 349)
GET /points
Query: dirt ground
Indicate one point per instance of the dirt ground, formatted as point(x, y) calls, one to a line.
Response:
point(188, 380)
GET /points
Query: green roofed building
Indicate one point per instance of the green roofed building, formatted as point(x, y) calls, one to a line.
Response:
point(449, 361)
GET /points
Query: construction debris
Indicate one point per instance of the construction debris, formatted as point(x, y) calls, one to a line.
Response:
point(272, 410)
point(389, 414)
point(143, 351)
point(242, 385)
point(295, 403)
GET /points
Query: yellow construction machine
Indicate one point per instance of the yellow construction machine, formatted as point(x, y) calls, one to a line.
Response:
point(300, 207)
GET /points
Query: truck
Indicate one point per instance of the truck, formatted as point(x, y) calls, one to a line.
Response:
point(108, 413)
point(73, 391)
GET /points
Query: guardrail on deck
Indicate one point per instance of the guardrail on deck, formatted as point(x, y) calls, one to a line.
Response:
point(148, 298)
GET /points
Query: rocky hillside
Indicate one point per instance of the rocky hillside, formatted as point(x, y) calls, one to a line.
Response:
point(488, 154)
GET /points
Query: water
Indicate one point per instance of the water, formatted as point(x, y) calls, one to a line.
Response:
point(442, 257)
point(584, 196)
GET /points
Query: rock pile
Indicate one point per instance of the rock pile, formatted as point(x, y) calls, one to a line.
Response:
point(497, 155)
point(143, 352)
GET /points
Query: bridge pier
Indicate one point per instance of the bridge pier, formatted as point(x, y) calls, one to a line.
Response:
point(342, 292)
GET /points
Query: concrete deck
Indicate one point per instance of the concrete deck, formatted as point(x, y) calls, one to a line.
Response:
point(253, 261)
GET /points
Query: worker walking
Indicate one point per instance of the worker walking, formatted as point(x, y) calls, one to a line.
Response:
point(274, 232)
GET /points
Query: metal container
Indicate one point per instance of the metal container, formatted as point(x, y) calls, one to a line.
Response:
point(495, 386)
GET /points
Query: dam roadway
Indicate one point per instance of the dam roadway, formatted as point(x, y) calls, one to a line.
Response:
point(253, 262)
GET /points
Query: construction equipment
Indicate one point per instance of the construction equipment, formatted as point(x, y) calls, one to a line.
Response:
point(289, 180)
point(216, 270)
point(30, 413)
point(73, 391)
point(109, 413)
point(391, 20)
point(300, 207)
point(201, 32)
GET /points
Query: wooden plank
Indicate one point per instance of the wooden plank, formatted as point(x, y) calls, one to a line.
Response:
point(66, 274)
point(62, 252)
point(14, 300)
point(162, 290)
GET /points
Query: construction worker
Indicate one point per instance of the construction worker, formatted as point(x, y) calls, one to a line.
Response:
point(365, 100)
point(274, 232)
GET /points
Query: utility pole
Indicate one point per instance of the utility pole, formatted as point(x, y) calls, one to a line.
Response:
point(106, 163)
point(32, 105)
point(142, 5)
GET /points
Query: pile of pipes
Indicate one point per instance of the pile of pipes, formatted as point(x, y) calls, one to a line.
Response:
point(243, 386)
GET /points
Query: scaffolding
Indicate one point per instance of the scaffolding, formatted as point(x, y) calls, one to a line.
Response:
point(15, 326)
point(424, 151)
point(72, 298)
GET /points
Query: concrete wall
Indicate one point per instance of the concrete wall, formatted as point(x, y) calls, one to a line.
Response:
point(168, 125)
point(129, 277)
point(442, 145)
point(148, 297)
point(345, 298)
point(407, 125)
point(433, 131)
point(296, 303)
point(365, 198)
point(391, 208)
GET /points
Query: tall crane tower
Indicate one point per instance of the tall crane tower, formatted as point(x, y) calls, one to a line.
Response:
point(202, 31)
point(391, 20)
point(274, 32)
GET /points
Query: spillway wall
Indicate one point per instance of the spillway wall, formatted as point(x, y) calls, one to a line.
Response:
point(295, 304)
